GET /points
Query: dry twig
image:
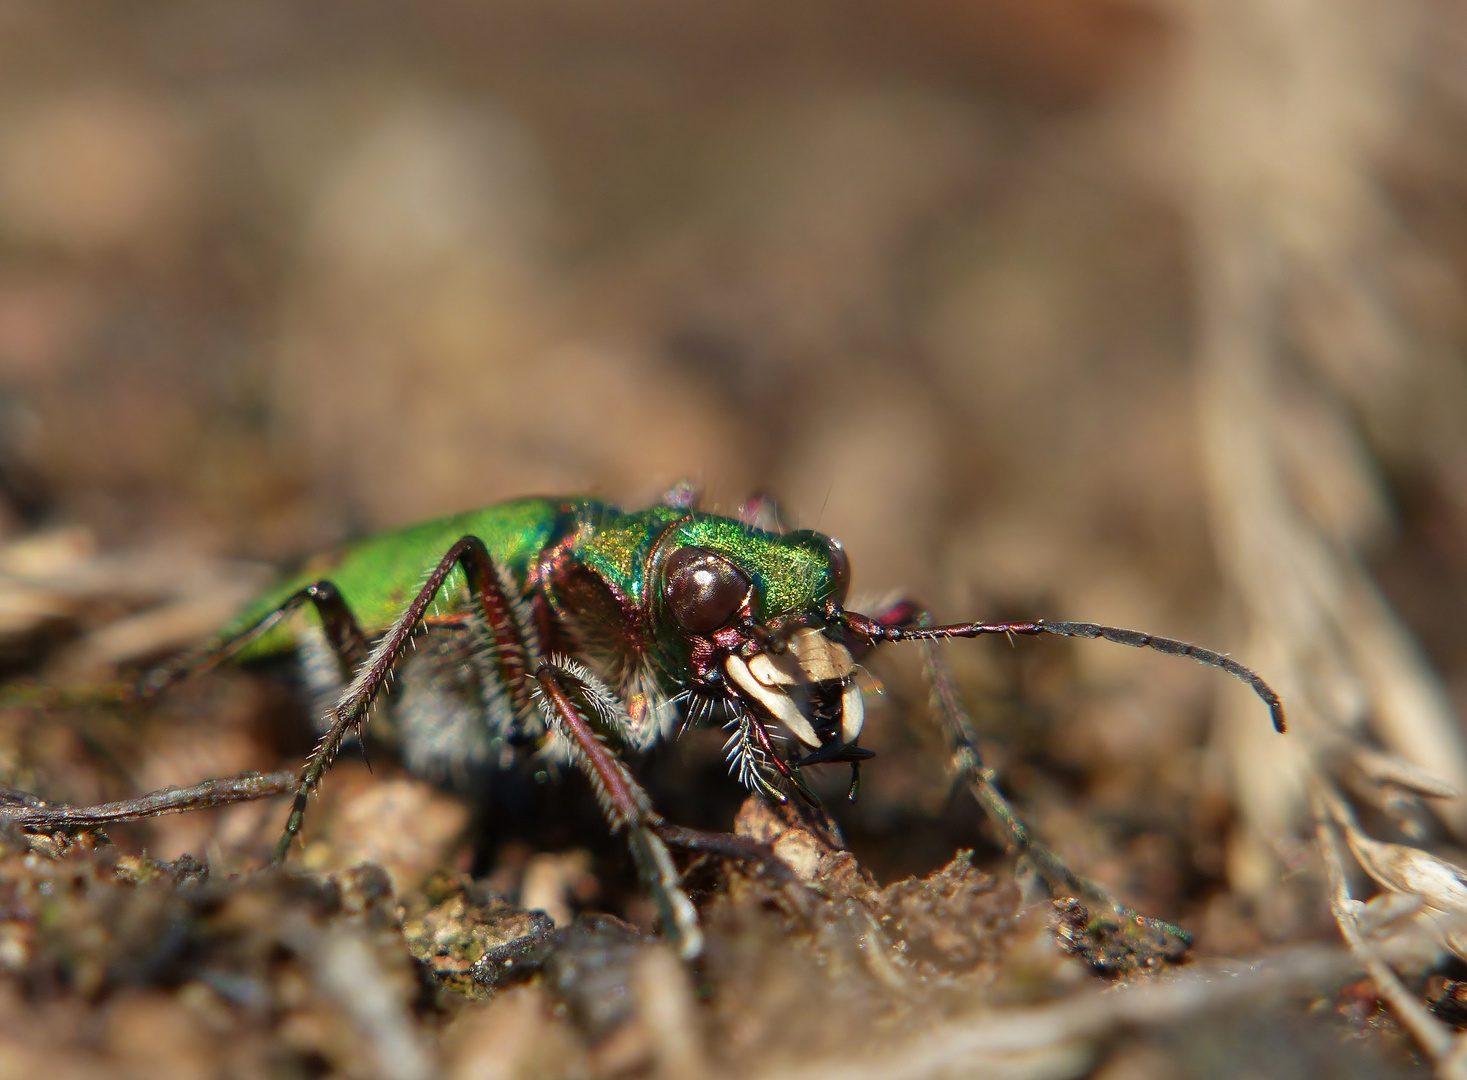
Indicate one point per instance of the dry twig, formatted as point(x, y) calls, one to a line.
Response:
point(989, 1038)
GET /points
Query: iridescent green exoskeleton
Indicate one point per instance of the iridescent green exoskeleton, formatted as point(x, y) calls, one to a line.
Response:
point(578, 631)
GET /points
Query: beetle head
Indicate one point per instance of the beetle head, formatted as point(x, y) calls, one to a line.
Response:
point(756, 615)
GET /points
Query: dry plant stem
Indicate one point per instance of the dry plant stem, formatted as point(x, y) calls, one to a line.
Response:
point(996, 1037)
point(29, 812)
point(1317, 77)
point(1433, 1036)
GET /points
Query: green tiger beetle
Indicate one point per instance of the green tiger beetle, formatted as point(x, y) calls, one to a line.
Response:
point(583, 631)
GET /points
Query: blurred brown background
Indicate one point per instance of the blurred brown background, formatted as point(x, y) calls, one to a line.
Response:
point(1145, 312)
point(277, 272)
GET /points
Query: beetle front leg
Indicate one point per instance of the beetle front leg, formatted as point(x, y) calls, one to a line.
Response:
point(372, 674)
point(568, 696)
point(905, 620)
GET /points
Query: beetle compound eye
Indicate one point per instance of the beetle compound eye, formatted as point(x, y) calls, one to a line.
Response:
point(840, 570)
point(703, 590)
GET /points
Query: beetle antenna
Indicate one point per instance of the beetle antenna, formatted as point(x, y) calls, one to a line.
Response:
point(1136, 639)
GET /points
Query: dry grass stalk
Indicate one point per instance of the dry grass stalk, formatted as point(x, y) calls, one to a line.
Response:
point(1033, 1041)
point(1302, 352)
point(1433, 1036)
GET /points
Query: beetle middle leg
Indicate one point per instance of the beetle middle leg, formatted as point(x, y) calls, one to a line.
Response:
point(511, 651)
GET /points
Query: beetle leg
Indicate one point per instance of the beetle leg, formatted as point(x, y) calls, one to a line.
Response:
point(906, 620)
point(345, 637)
point(38, 815)
point(372, 673)
point(568, 695)
point(760, 511)
point(760, 858)
point(728, 846)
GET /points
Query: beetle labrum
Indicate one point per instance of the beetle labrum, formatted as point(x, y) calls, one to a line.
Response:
point(581, 630)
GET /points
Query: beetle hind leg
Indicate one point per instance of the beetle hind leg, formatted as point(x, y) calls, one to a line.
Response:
point(343, 640)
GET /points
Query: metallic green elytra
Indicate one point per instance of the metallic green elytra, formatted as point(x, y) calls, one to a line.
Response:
point(573, 630)
point(377, 576)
